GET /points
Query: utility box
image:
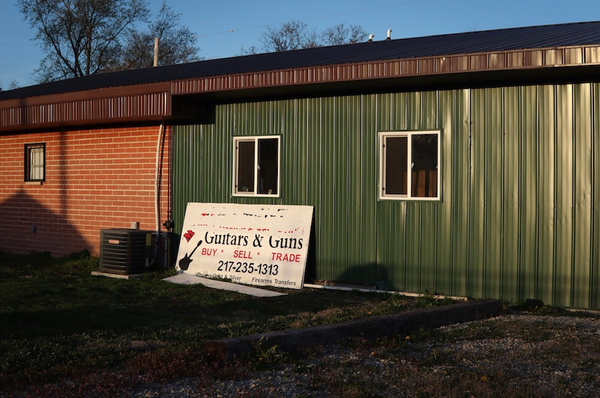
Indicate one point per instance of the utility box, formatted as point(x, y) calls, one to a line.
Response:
point(124, 251)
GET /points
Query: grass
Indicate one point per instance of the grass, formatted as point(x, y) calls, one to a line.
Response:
point(62, 328)
point(64, 332)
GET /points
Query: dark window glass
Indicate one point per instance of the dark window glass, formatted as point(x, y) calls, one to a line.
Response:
point(245, 166)
point(396, 165)
point(424, 165)
point(268, 150)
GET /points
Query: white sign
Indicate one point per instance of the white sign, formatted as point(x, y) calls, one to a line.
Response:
point(265, 245)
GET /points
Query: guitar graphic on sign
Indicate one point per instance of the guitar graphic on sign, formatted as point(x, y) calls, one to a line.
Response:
point(184, 263)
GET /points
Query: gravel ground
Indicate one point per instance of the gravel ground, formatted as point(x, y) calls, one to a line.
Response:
point(507, 356)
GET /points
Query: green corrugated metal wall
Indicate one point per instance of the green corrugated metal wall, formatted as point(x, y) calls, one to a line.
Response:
point(520, 187)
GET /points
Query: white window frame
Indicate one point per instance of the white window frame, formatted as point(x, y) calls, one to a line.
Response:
point(382, 163)
point(256, 140)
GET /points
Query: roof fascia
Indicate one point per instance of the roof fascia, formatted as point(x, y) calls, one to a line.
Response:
point(514, 60)
point(102, 93)
point(116, 105)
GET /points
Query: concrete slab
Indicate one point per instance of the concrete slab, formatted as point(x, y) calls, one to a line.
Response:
point(188, 279)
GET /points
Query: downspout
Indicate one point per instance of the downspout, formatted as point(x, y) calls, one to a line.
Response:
point(158, 153)
point(157, 182)
point(157, 177)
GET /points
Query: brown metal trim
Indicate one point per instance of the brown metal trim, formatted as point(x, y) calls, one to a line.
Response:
point(394, 69)
point(110, 92)
point(84, 124)
point(111, 105)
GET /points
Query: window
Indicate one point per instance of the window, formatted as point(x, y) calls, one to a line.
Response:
point(414, 151)
point(256, 166)
point(35, 162)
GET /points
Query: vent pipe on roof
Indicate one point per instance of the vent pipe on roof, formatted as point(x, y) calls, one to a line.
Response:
point(389, 34)
point(156, 51)
point(371, 36)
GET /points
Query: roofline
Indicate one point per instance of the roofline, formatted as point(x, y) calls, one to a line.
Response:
point(84, 95)
point(152, 102)
point(398, 68)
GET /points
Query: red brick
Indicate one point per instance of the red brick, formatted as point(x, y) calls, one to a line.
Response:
point(94, 180)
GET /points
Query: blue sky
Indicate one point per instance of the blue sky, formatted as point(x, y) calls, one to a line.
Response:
point(223, 27)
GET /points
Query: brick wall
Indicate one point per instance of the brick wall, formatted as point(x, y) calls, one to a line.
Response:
point(95, 179)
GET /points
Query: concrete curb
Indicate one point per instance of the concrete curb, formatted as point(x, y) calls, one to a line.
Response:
point(385, 325)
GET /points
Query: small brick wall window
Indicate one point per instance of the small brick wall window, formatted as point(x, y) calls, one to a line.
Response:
point(35, 162)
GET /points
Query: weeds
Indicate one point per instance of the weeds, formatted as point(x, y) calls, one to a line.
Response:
point(266, 354)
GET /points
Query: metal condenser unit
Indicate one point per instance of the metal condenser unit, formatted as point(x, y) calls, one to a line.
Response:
point(124, 251)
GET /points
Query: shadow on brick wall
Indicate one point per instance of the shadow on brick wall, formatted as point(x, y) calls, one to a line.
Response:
point(27, 225)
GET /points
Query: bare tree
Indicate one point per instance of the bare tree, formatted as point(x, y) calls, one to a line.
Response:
point(292, 35)
point(13, 85)
point(342, 34)
point(80, 37)
point(295, 35)
point(249, 51)
point(176, 43)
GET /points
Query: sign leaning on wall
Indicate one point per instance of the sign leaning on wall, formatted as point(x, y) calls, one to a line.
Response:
point(265, 245)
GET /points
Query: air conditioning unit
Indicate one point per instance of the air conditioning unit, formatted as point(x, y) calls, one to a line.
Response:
point(124, 251)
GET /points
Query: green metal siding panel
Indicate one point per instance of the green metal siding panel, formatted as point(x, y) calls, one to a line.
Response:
point(594, 281)
point(477, 232)
point(520, 187)
point(327, 201)
point(370, 174)
point(582, 195)
point(456, 187)
point(528, 200)
point(315, 154)
point(564, 195)
point(294, 167)
point(452, 213)
point(493, 192)
point(361, 177)
point(547, 145)
point(340, 184)
point(511, 166)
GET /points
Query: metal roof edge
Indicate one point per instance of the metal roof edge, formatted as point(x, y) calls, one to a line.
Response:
point(138, 96)
point(552, 35)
